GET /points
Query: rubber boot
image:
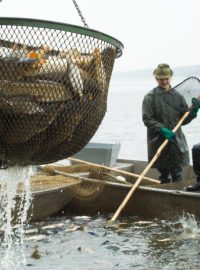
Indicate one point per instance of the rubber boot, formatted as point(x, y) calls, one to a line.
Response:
point(176, 174)
point(164, 176)
point(195, 187)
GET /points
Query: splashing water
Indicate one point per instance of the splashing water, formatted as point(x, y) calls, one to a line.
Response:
point(189, 227)
point(13, 215)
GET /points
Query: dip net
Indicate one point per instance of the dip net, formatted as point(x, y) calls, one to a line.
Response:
point(54, 81)
point(188, 88)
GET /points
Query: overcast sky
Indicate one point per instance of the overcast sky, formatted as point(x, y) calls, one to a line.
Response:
point(152, 31)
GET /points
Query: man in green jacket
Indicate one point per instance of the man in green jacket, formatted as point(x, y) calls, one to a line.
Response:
point(160, 117)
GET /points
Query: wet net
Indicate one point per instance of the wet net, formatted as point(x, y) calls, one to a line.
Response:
point(54, 81)
point(188, 88)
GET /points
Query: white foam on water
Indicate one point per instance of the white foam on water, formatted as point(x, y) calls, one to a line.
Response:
point(190, 229)
point(12, 254)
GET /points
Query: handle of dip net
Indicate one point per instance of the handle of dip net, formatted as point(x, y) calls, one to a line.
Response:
point(128, 196)
point(113, 170)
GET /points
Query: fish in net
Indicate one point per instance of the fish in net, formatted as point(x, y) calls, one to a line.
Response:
point(54, 81)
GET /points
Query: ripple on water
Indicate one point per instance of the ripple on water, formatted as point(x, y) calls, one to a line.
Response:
point(142, 244)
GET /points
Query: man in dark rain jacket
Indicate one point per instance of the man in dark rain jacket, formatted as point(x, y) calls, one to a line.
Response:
point(160, 117)
point(196, 157)
point(196, 166)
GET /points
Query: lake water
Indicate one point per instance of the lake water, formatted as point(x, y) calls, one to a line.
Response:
point(131, 244)
point(89, 243)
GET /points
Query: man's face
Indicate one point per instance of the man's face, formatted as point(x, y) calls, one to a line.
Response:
point(164, 83)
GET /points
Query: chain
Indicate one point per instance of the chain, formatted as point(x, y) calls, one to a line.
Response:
point(80, 13)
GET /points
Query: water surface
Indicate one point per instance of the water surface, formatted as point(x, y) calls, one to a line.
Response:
point(133, 243)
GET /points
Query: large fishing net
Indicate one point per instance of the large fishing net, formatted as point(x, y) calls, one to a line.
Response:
point(54, 81)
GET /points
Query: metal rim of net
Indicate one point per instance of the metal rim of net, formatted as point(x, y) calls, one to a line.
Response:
point(64, 27)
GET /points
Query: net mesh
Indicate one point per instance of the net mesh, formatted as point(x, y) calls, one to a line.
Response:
point(188, 88)
point(53, 91)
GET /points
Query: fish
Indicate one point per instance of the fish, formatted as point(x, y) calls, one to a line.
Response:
point(75, 78)
point(61, 70)
point(143, 222)
point(100, 72)
point(16, 63)
point(164, 240)
point(75, 56)
point(32, 115)
point(53, 69)
point(14, 68)
point(36, 253)
point(38, 90)
point(20, 105)
point(6, 52)
point(41, 55)
point(13, 53)
point(85, 250)
point(35, 237)
point(75, 228)
point(53, 226)
point(93, 69)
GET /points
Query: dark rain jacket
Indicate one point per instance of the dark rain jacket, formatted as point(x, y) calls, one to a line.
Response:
point(164, 109)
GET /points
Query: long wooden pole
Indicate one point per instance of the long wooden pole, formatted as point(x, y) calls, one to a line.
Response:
point(113, 170)
point(91, 180)
point(122, 205)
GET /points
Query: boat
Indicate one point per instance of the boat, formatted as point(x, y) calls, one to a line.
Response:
point(81, 188)
point(49, 195)
point(166, 201)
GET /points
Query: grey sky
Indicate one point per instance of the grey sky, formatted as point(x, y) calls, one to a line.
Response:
point(152, 31)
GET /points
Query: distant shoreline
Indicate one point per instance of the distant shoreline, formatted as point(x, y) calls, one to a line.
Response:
point(187, 71)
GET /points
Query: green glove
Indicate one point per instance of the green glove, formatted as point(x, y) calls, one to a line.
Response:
point(194, 112)
point(195, 107)
point(168, 134)
point(195, 103)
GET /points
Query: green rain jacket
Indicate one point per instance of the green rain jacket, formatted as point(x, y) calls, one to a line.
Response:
point(164, 109)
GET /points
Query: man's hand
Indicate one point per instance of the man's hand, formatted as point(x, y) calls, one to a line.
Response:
point(167, 134)
point(195, 103)
point(195, 106)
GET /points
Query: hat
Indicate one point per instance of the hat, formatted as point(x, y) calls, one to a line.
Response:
point(163, 71)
